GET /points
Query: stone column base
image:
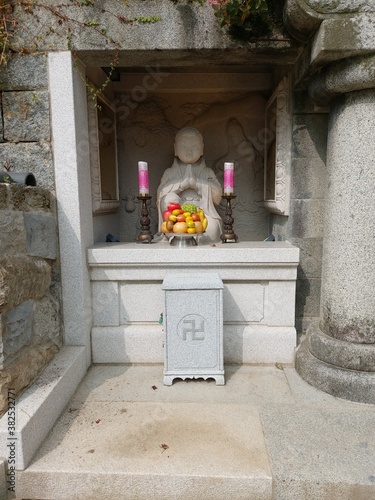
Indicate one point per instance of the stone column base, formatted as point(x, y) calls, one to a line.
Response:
point(342, 369)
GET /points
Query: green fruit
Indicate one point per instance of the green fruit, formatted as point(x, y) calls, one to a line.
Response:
point(189, 207)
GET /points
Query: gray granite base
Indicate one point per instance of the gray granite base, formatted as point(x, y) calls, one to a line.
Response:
point(340, 353)
point(358, 386)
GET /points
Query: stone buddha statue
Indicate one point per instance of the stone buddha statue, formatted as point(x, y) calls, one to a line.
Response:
point(189, 180)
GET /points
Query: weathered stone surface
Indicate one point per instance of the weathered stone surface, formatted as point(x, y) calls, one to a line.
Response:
point(307, 217)
point(4, 197)
point(3, 321)
point(321, 450)
point(47, 322)
point(41, 235)
point(302, 325)
point(27, 72)
point(309, 178)
point(339, 353)
point(13, 233)
point(1, 120)
point(353, 385)
point(3, 479)
point(182, 26)
point(310, 136)
point(28, 198)
point(308, 297)
point(22, 278)
point(341, 7)
point(5, 379)
point(343, 38)
point(310, 263)
point(30, 157)
point(300, 22)
point(349, 257)
point(357, 73)
point(26, 116)
point(16, 376)
point(303, 104)
point(18, 328)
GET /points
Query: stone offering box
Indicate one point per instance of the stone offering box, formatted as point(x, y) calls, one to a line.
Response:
point(258, 298)
point(193, 324)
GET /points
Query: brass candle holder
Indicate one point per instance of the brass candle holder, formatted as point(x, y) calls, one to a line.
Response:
point(228, 235)
point(145, 235)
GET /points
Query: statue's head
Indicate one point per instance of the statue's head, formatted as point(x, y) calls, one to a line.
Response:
point(188, 145)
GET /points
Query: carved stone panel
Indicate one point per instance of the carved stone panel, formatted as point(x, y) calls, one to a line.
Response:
point(232, 125)
point(277, 151)
point(103, 156)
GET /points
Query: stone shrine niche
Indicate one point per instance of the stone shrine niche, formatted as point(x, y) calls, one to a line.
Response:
point(231, 124)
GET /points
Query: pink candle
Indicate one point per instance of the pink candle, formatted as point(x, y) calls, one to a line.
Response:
point(228, 178)
point(143, 178)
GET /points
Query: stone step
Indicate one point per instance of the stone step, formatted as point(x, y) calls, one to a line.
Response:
point(265, 435)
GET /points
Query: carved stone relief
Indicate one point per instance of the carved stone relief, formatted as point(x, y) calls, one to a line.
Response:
point(277, 151)
point(103, 156)
point(231, 124)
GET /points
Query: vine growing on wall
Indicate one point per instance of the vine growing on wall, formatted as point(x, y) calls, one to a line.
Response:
point(62, 23)
point(244, 20)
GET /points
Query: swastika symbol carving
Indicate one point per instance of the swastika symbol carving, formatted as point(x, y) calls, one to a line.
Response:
point(191, 328)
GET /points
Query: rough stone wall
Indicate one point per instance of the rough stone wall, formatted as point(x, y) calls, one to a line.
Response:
point(304, 226)
point(30, 320)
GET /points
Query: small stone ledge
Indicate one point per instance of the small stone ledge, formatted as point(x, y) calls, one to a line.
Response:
point(15, 375)
point(42, 403)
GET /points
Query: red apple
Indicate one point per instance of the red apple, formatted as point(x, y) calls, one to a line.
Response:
point(173, 205)
point(166, 214)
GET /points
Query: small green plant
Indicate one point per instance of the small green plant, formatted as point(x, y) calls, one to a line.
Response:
point(237, 12)
point(6, 179)
point(245, 19)
point(147, 19)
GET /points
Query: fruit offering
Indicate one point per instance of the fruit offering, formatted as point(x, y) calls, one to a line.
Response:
point(184, 219)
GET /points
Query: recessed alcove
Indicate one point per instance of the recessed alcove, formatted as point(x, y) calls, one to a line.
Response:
point(112, 291)
point(227, 103)
point(242, 112)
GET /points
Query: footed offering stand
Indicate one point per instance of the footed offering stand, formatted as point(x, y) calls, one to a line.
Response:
point(228, 235)
point(145, 235)
point(182, 240)
point(193, 315)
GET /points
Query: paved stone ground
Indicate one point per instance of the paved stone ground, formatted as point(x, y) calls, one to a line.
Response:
point(265, 435)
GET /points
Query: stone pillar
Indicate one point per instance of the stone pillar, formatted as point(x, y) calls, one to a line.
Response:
point(338, 354)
